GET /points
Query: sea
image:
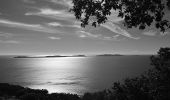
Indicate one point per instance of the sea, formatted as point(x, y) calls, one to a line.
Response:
point(75, 75)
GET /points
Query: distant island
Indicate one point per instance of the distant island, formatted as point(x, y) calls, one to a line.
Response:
point(110, 55)
point(67, 56)
point(25, 57)
point(29, 57)
point(53, 56)
point(78, 56)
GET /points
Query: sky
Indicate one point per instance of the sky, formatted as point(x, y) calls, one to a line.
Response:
point(46, 27)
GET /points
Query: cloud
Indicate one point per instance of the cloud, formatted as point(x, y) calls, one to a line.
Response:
point(76, 26)
point(116, 29)
point(66, 3)
point(150, 33)
point(54, 38)
point(84, 34)
point(56, 24)
point(115, 37)
point(6, 35)
point(29, 1)
point(33, 27)
point(9, 41)
point(87, 34)
point(52, 14)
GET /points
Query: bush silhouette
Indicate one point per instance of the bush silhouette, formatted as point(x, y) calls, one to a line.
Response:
point(30, 96)
point(154, 85)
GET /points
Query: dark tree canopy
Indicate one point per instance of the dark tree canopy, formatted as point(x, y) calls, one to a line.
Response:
point(136, 13)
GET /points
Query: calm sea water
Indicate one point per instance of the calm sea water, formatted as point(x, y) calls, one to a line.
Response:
point(71, 74)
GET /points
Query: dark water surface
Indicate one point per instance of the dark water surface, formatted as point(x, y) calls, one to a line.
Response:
point(71, 74)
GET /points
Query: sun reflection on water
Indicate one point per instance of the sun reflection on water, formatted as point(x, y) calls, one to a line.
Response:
point(58, 74)
point(57, 62)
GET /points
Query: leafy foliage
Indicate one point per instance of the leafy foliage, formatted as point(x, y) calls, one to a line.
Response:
point(136, 13)
point(154, 85)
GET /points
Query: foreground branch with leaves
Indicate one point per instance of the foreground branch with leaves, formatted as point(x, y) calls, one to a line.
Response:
point(136, 13)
